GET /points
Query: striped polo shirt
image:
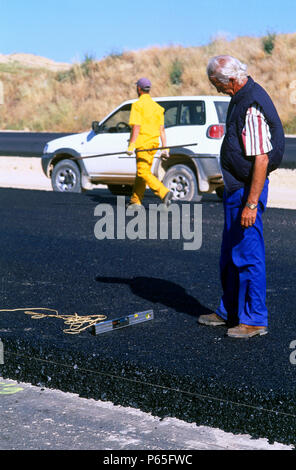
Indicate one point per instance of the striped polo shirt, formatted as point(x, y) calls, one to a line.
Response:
point(256, 134)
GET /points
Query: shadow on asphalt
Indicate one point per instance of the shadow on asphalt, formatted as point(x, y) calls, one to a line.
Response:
point(160, 291)
point(104, 195)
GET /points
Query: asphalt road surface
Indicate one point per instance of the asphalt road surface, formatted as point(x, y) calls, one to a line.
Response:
point(171, 366)
point(32, 143)
point(26, 144)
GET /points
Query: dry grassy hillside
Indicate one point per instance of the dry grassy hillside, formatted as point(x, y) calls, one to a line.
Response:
point(43, 99)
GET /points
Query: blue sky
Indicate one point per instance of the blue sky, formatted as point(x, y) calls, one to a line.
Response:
point(67, 30)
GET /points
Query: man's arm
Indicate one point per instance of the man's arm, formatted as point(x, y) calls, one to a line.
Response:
point(163, 136)
point(256, 138)
point(248, 216)
point(134, 135)
point(165, 153)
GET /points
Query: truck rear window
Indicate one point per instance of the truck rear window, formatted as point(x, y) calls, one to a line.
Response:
point(221, 108)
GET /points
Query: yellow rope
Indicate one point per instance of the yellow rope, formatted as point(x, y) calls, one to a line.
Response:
point(76, 322)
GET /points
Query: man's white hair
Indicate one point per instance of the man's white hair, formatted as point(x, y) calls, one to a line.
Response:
point(224, 67)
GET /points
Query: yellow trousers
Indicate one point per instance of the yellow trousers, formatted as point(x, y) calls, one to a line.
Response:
point(146, 178)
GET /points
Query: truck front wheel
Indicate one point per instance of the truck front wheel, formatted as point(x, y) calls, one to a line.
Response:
point(66, 177)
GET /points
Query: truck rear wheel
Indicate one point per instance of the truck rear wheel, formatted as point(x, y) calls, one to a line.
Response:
point(181, 180)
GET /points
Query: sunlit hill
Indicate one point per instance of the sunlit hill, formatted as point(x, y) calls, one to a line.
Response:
point(41, 95)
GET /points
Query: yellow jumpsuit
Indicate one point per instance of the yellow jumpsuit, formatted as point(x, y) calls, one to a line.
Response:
point(147, 114)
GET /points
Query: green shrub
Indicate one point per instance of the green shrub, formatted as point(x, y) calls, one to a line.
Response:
point(268, 43)
point(115, 54)
point(77, 71)
point(66, 75)
point(176, 72)
point(88, 64)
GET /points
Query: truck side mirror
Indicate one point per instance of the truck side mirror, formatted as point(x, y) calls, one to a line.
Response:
point(95, 127)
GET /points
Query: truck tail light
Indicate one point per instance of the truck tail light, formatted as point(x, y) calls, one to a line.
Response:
point(216, 131)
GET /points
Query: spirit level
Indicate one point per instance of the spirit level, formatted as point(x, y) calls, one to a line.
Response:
point(117, 323)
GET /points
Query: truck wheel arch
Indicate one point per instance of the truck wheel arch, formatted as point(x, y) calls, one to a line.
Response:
point(67, 154)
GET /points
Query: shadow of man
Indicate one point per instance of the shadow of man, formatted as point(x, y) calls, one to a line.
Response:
point(160, 291)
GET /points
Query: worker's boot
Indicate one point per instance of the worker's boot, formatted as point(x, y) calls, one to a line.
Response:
point(167, 200)
point(246, 331)
point(211, 320)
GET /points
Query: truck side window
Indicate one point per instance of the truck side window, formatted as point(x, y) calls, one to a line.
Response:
point(192, 113)
point(170, 112)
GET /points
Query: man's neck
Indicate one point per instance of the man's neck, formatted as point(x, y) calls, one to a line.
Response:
point(143, 93)
point(238, 86)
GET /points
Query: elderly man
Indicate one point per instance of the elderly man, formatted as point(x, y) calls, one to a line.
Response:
point(253, 146)
point(147, 122)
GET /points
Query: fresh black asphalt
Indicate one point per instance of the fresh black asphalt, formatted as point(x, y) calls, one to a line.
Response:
point(170, 366)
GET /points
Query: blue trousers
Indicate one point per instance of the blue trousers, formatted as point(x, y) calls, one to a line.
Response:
point(242, 262)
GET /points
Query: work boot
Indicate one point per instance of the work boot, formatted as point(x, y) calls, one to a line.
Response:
point(246, 331)
point(167, 200)
point(211, 320)
point(133, 205)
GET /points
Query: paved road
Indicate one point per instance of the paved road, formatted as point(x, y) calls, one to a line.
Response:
point(26, 144)
point(170, 366)
point(32, 144)
point(289, 160)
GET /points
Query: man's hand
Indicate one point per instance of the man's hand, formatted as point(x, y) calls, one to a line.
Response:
point(132, 143)
point(131, 149)
point(248, 217)
point(165, 154)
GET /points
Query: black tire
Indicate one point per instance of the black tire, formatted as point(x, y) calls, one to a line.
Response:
point(66, 177)
point(181, 180)
point(120, 189)
point(220, 191)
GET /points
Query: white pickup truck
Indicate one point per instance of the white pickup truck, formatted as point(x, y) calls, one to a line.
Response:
point(190, 171)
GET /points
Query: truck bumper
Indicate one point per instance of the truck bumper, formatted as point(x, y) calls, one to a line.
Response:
point(45, 163)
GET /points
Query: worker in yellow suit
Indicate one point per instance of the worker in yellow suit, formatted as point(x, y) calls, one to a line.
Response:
point(147, 122)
